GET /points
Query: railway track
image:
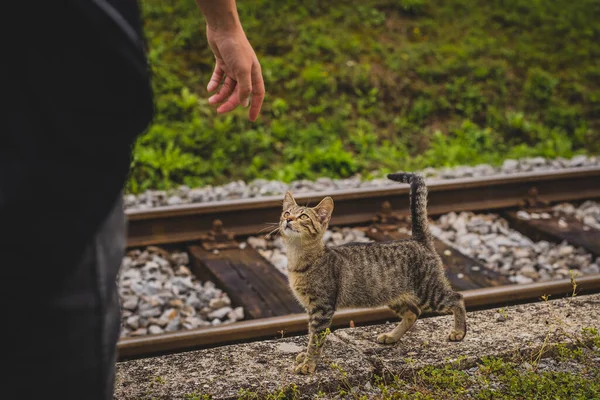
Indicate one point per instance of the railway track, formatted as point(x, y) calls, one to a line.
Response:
point(213, 234)
point(164, 225)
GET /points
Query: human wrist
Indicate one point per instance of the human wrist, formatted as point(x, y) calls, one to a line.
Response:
point(221, 15)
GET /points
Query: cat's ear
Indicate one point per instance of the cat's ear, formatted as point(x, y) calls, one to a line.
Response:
point(288, 201)
point(324, 209)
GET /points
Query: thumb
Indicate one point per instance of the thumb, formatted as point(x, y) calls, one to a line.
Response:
point(216, 78)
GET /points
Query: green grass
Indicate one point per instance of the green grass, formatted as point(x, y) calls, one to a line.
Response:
point(374, 86)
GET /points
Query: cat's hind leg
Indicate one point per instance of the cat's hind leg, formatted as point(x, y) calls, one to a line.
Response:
point(409, 312)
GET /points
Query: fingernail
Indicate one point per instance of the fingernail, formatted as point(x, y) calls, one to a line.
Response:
point(246, 102)
point(211, 99)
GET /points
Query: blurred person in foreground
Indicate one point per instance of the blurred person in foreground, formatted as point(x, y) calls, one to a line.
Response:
point(78, 88)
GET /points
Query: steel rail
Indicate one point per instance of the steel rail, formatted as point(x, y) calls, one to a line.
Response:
point(163, 225)
point(268, 328)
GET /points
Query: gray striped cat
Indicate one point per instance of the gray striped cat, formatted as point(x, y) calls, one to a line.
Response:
point(406, 275)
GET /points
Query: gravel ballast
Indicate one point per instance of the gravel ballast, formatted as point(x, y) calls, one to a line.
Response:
point(159, 293)
point(488, 238)
point(588, 212)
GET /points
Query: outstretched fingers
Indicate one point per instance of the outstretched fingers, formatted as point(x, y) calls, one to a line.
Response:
point(232, 102)
point(244, 87)
point(224, 93)
point(247, 88)
point(258, 92)
point(241, 95)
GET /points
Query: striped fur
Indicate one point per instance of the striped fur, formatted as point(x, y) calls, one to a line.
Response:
point(407, 275)
point(418, 205)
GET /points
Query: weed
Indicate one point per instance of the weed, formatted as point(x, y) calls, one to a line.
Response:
point(503, 313)
point(572, 275)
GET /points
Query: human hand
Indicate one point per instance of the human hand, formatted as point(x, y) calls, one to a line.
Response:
point(238, 65)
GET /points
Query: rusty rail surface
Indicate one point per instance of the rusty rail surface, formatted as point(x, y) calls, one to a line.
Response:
point(179, 224)
point(269, 328)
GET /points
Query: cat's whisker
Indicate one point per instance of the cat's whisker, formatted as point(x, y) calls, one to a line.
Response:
point(274, 231)
point(268, 227)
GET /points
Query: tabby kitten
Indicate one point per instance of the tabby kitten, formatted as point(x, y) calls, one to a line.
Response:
point(407, 275)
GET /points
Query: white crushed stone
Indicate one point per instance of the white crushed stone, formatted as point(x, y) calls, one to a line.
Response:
point(488, 238)
point(159, 293)
point(588, 212)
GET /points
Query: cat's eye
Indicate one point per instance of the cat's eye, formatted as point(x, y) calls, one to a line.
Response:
point(304, 216)
point(286, 214)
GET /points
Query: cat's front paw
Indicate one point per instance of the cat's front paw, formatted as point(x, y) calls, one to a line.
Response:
point(300, 357)
point(386, 338)
point(456, 336)
point(306, 367)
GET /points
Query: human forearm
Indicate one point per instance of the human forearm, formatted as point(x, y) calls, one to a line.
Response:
point(220, 15)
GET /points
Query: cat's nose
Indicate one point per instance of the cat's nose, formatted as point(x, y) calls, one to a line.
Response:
point(290, 218)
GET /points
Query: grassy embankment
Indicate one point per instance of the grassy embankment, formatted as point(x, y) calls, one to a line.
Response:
point(373, 86)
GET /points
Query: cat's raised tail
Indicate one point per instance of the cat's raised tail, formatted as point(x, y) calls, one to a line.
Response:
point(418, 205)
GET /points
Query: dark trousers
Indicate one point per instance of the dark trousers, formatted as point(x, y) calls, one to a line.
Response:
point(66, 348)
point(77, 94)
